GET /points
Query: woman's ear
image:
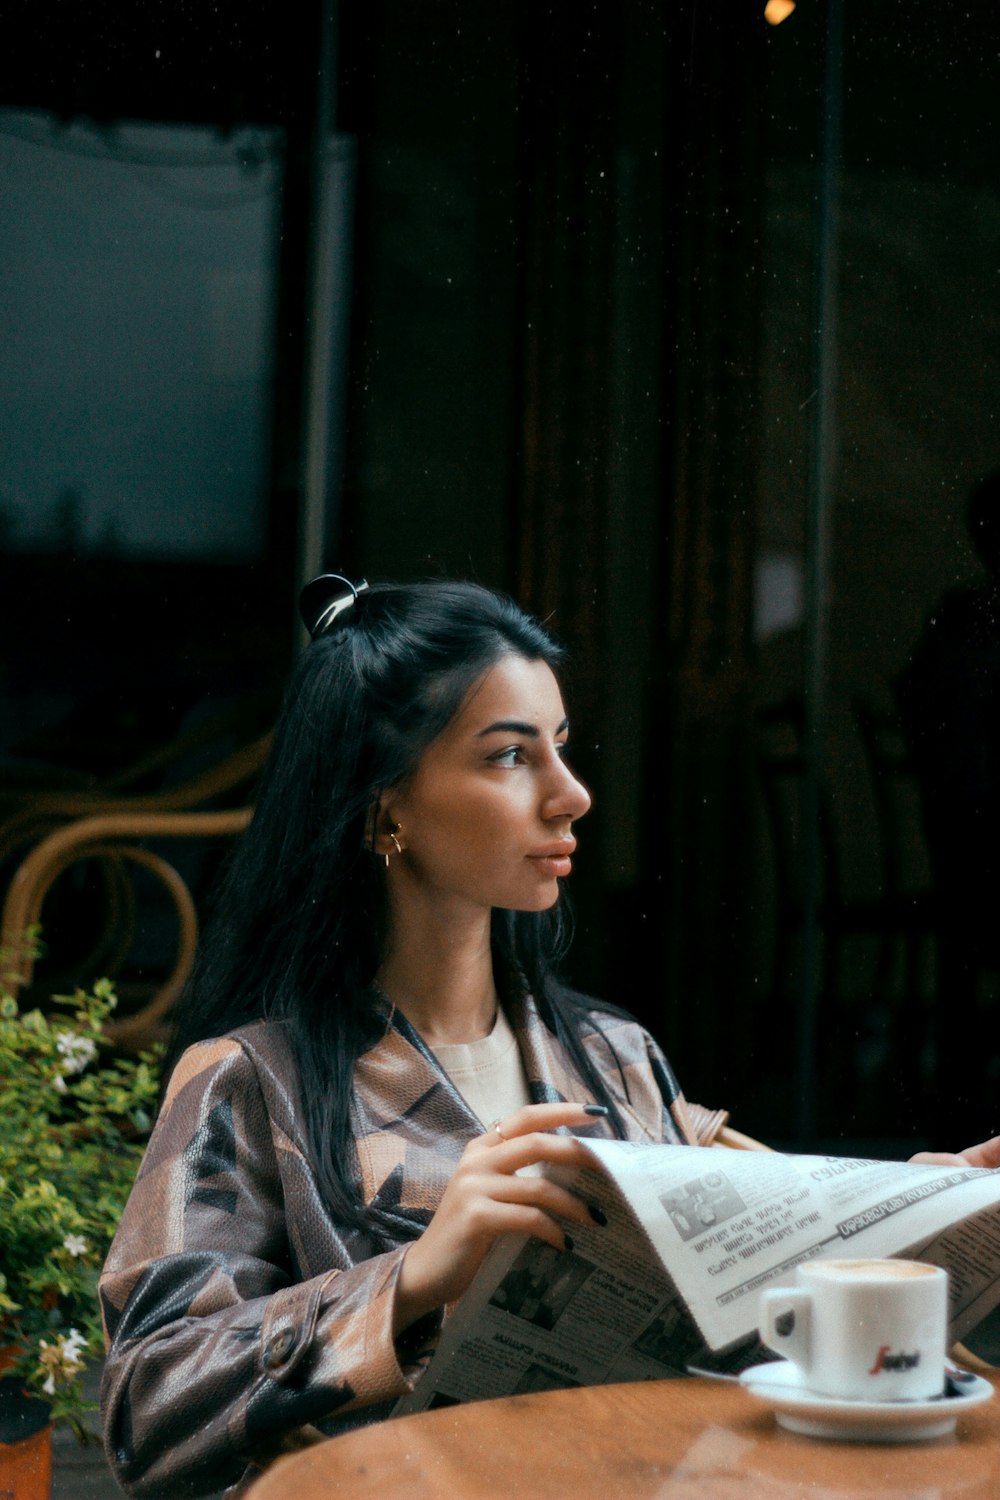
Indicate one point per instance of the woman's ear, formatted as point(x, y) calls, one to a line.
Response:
point(381, 827)
point(371, 824)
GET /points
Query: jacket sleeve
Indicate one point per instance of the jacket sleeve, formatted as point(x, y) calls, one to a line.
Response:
point(217, 1354)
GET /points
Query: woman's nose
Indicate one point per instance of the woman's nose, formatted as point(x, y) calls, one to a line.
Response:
point(568, 797)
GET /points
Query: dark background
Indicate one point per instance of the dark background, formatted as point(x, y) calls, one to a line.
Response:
point(578, 276)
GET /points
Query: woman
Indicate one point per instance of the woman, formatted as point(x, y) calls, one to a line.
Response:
point(373, 1045)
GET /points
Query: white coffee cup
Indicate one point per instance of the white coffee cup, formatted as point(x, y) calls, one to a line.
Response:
point(862, 1330)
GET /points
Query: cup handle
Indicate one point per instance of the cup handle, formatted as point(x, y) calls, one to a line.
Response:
point(785, 1322)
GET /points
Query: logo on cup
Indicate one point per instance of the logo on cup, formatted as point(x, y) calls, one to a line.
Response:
point(886, 1360)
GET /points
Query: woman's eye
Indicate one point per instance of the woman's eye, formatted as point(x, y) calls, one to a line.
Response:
point(509, 758)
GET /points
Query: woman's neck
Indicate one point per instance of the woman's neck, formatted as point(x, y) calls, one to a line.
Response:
point(438, 970)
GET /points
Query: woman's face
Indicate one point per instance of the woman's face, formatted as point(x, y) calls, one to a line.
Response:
point(485, 818)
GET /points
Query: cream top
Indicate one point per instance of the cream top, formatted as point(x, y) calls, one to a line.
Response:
point(488, 1073)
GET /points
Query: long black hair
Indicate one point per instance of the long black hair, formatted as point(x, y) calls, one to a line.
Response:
point(298, 927)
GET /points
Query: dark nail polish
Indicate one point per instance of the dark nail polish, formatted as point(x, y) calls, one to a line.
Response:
point(595, 1109)
point(569, 1244)
point(597, 1214)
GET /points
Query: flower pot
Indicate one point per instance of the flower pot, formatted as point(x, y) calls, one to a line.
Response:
point(25, 1444)
point(26, 1467)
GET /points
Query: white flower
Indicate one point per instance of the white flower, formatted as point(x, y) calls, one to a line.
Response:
point(77, 1050)
point(62, 1359)
point(74, 1345)
point(59, 1084)
point(75, 1244)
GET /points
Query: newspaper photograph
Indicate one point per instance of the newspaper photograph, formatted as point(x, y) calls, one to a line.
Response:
point(682, 1243)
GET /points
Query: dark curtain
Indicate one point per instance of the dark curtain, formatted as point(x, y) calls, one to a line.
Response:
point(607, 90)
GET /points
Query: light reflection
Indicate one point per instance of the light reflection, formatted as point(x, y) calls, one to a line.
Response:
point(727, 1463)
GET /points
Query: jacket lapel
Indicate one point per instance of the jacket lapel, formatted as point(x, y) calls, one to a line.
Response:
point(550, 1078)
point(410, 1124)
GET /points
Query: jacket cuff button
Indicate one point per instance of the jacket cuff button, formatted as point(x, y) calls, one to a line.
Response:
point(279, 1348)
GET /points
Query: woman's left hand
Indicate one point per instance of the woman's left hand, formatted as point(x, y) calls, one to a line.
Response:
point(986, 1154)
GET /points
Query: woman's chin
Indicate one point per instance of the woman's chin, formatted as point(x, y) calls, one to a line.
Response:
point(541, 899)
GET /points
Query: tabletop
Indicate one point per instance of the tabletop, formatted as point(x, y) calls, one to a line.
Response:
point(690, 1439)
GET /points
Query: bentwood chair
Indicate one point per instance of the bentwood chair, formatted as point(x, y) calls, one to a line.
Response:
point(221, 780)
point(121, 841)
point(712, 1128)
point(94, 912)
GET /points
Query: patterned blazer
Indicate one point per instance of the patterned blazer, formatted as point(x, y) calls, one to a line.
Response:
point(241, 1317)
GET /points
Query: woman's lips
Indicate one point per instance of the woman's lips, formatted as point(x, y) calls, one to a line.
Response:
point(554, 861)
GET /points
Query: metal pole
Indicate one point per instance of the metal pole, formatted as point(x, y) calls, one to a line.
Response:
point(326, 263)
point(817, 569)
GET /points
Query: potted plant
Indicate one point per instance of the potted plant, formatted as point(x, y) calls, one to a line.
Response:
point(73, 1122)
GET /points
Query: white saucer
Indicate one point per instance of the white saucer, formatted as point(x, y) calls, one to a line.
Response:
point(779, 1385)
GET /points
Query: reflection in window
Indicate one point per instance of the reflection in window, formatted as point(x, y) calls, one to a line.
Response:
point(138, 266)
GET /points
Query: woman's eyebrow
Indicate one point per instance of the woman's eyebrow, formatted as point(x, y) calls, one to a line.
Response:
point(515, 726)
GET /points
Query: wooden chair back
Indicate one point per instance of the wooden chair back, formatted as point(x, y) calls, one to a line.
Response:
point(118, 838)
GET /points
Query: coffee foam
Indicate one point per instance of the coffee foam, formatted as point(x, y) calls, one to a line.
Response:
point(870, 1270)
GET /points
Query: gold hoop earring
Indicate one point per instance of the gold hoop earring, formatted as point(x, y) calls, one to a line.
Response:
point(395, 840)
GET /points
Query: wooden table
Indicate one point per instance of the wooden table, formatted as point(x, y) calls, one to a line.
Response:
point(665, 1440)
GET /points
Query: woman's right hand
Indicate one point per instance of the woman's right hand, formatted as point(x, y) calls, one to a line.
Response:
point(986, 1154)
point(485, 1198)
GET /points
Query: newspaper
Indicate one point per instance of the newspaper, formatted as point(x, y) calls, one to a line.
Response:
point(672, 1277)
